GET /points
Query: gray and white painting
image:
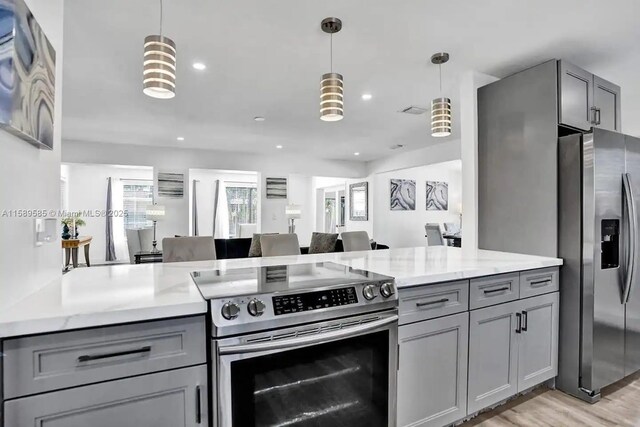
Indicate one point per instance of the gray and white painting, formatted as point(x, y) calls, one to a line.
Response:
point(437, 196)
point(27, 75)
point(403, 195)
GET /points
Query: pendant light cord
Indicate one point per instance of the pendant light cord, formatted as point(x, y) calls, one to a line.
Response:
point(331, 50)
point(440, 68)
point(160, 18)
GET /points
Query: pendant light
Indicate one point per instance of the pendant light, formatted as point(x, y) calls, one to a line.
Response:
point(331, 86)
point(440, 107)
point(159, 75)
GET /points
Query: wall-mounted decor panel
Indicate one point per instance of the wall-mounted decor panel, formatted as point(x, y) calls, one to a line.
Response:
point(276, 188)
point(437, 196)
point(403, 195)
point(27, 76)
point(170, 185)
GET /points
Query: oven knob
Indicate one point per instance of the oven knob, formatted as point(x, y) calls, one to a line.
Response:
point(230, 310)
point(386, 290)
point(369, 292)
point(256, 307)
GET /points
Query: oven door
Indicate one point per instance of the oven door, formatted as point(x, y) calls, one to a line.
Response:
point(336, 373)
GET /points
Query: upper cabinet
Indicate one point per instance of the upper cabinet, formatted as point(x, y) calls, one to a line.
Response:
point(586, 100)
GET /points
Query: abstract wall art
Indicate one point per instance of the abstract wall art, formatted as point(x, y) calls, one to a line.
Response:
point(437, 196)
point(403, 195)
point(170, 185)
point(27, 76)
point(276, 188)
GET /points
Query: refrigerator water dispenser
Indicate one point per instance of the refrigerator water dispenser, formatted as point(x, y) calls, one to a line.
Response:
point(610, 243)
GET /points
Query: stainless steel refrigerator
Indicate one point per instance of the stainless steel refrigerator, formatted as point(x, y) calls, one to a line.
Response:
point(599, 184)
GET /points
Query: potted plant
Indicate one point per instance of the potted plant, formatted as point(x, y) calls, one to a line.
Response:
point(69, 223)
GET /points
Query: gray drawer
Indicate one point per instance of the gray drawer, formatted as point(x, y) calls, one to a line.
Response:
point(538, 282)
point(430, 301)
point(68, 359)
point(491, 290)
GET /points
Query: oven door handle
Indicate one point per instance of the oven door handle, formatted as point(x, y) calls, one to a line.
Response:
point(308, 339)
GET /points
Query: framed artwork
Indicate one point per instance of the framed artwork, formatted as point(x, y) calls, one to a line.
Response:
point(170, 185)
point(27, 76)
point(437, 196)
point(359, 201)
point(276, 188)
point(403, 195)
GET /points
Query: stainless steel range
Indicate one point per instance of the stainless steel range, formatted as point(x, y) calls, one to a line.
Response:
point(302, 345)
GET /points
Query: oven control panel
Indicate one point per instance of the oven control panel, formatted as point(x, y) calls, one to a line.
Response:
point(308, 301)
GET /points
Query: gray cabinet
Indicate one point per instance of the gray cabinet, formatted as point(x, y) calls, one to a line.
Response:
point(175, 398)
point(586, 100)
point(575, 96)
point(512, 347)
point(432, 374)
point(493, 355)
point(74, 358)
point(538, 342)
point(606, 102)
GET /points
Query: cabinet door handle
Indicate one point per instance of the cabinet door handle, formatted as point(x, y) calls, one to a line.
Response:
point(519, 327)
point(541, 283)
point(593, 116)
point(491, 291)
point(198, 405)
point(598, 111)
point(88, 357)
point(426, 303)
point(525, 321)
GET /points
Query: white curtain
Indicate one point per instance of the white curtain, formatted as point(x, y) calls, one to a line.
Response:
point(220, 211)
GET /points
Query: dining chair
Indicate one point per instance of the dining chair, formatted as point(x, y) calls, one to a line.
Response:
point(434, 234)
point(279, 244)
point(199, 248)
point(356, 241)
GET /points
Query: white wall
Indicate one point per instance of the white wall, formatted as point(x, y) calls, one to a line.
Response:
point(30, 179)
point(87, 190)
point(399, 229)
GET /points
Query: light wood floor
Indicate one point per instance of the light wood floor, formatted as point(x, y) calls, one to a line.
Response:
point(619, 406)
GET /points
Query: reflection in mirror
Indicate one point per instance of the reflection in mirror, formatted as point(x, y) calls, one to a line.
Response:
point(359, 201)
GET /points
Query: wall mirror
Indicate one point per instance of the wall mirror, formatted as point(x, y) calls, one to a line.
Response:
point(359, 201)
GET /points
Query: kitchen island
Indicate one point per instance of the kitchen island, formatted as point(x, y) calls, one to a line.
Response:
point(105, 337)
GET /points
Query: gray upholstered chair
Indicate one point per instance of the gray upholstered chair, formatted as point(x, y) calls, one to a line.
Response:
point(246, 230)
point(279, 244)
point(434, 234)
point(176, 249)
point(356, 241)
point(139, 240)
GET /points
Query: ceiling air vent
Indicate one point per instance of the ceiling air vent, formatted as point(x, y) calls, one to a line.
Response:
point(414, 109)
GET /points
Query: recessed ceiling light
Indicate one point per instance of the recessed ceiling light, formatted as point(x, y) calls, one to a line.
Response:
point(259, 119)
point(180, 138)
point(199, 66)
point(356, 154)
point(278, 146)
point(366, 96)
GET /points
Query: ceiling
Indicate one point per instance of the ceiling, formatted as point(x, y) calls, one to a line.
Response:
point(265, 58)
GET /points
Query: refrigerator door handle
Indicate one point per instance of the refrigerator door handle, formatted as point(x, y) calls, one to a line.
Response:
point(633, 232)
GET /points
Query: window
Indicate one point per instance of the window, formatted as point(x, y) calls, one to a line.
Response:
point(136, 196)
point(242, 204)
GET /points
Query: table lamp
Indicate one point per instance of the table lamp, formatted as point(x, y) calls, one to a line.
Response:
point(292, 213)
point(155, 213)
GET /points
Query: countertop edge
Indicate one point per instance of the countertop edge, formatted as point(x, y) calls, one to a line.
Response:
point(53, 324)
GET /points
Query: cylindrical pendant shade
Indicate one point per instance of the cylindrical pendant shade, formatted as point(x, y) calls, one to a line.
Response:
point(159, 76)
point(441, 117)
point(331, 97)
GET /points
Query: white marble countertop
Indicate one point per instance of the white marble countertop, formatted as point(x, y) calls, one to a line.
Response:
point(106, 295)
